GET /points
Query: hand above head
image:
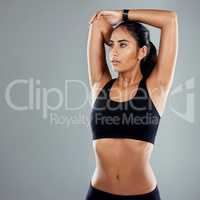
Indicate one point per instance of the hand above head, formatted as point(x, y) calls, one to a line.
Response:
point(112, 16)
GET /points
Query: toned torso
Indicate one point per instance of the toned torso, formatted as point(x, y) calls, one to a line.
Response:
point(123, 165)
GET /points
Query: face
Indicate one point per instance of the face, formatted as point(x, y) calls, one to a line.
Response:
point(123, 50)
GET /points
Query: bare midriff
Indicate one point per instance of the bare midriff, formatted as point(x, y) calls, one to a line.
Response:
point(123, 166)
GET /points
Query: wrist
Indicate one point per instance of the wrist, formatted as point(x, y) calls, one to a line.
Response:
point(125, 15)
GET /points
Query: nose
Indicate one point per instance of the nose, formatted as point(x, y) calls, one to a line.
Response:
point(114, 52)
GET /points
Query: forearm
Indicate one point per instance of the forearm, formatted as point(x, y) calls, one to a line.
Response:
point(103, 27)
point(153, 17)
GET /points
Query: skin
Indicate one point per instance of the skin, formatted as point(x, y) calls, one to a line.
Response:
point(123, 47)
point(123, 165)
point(115, 171)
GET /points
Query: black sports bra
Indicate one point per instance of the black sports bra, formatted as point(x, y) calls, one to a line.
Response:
point(136, 118)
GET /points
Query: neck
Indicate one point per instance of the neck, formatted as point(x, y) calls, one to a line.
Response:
point(129, 78)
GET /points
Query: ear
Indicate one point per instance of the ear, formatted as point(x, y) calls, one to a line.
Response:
point(142, 52)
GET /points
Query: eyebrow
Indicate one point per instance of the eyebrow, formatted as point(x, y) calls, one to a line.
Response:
point(120, 40)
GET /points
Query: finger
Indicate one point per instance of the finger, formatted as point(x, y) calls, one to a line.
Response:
point(98, 14)
point(95, 16)
point(92, 19)
point(106, 12)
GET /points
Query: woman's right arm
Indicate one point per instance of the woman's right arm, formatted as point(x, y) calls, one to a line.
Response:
point(99, 34)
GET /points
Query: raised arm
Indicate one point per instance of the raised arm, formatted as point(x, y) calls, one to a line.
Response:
point(167, 22)
point(99, 34)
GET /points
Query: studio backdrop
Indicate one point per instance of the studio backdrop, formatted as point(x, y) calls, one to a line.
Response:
point(46, 148)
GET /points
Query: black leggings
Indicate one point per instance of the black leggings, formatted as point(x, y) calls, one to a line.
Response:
point(97, 194)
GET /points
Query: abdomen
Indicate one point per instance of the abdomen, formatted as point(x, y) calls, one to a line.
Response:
point(122, 166)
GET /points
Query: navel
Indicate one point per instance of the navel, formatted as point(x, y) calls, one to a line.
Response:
point(118, 177)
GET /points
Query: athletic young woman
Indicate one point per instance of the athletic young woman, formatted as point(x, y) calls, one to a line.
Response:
point(126, 110)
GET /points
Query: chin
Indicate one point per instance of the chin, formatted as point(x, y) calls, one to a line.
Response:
point(116, 68)
point(119, 69)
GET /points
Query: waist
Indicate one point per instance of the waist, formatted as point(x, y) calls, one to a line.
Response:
point(124, 182)
point(123, 165)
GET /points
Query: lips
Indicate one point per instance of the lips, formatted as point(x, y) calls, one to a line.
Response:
point(115, 61)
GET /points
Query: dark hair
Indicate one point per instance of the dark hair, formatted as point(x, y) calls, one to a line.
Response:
point(142, 37)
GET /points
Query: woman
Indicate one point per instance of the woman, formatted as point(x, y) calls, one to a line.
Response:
point(123, 141)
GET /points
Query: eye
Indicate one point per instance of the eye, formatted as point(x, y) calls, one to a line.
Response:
point(123, 45)
point(110, 44)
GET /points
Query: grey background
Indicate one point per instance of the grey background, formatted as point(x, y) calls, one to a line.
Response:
point(46, 40)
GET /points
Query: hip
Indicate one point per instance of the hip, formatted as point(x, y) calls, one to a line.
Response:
point(122, 182)
point(99, 194)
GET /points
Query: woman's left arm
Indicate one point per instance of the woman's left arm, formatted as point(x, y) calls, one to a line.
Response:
point(167, 55)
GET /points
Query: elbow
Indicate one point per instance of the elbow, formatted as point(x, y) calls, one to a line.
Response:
point(173, 16)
